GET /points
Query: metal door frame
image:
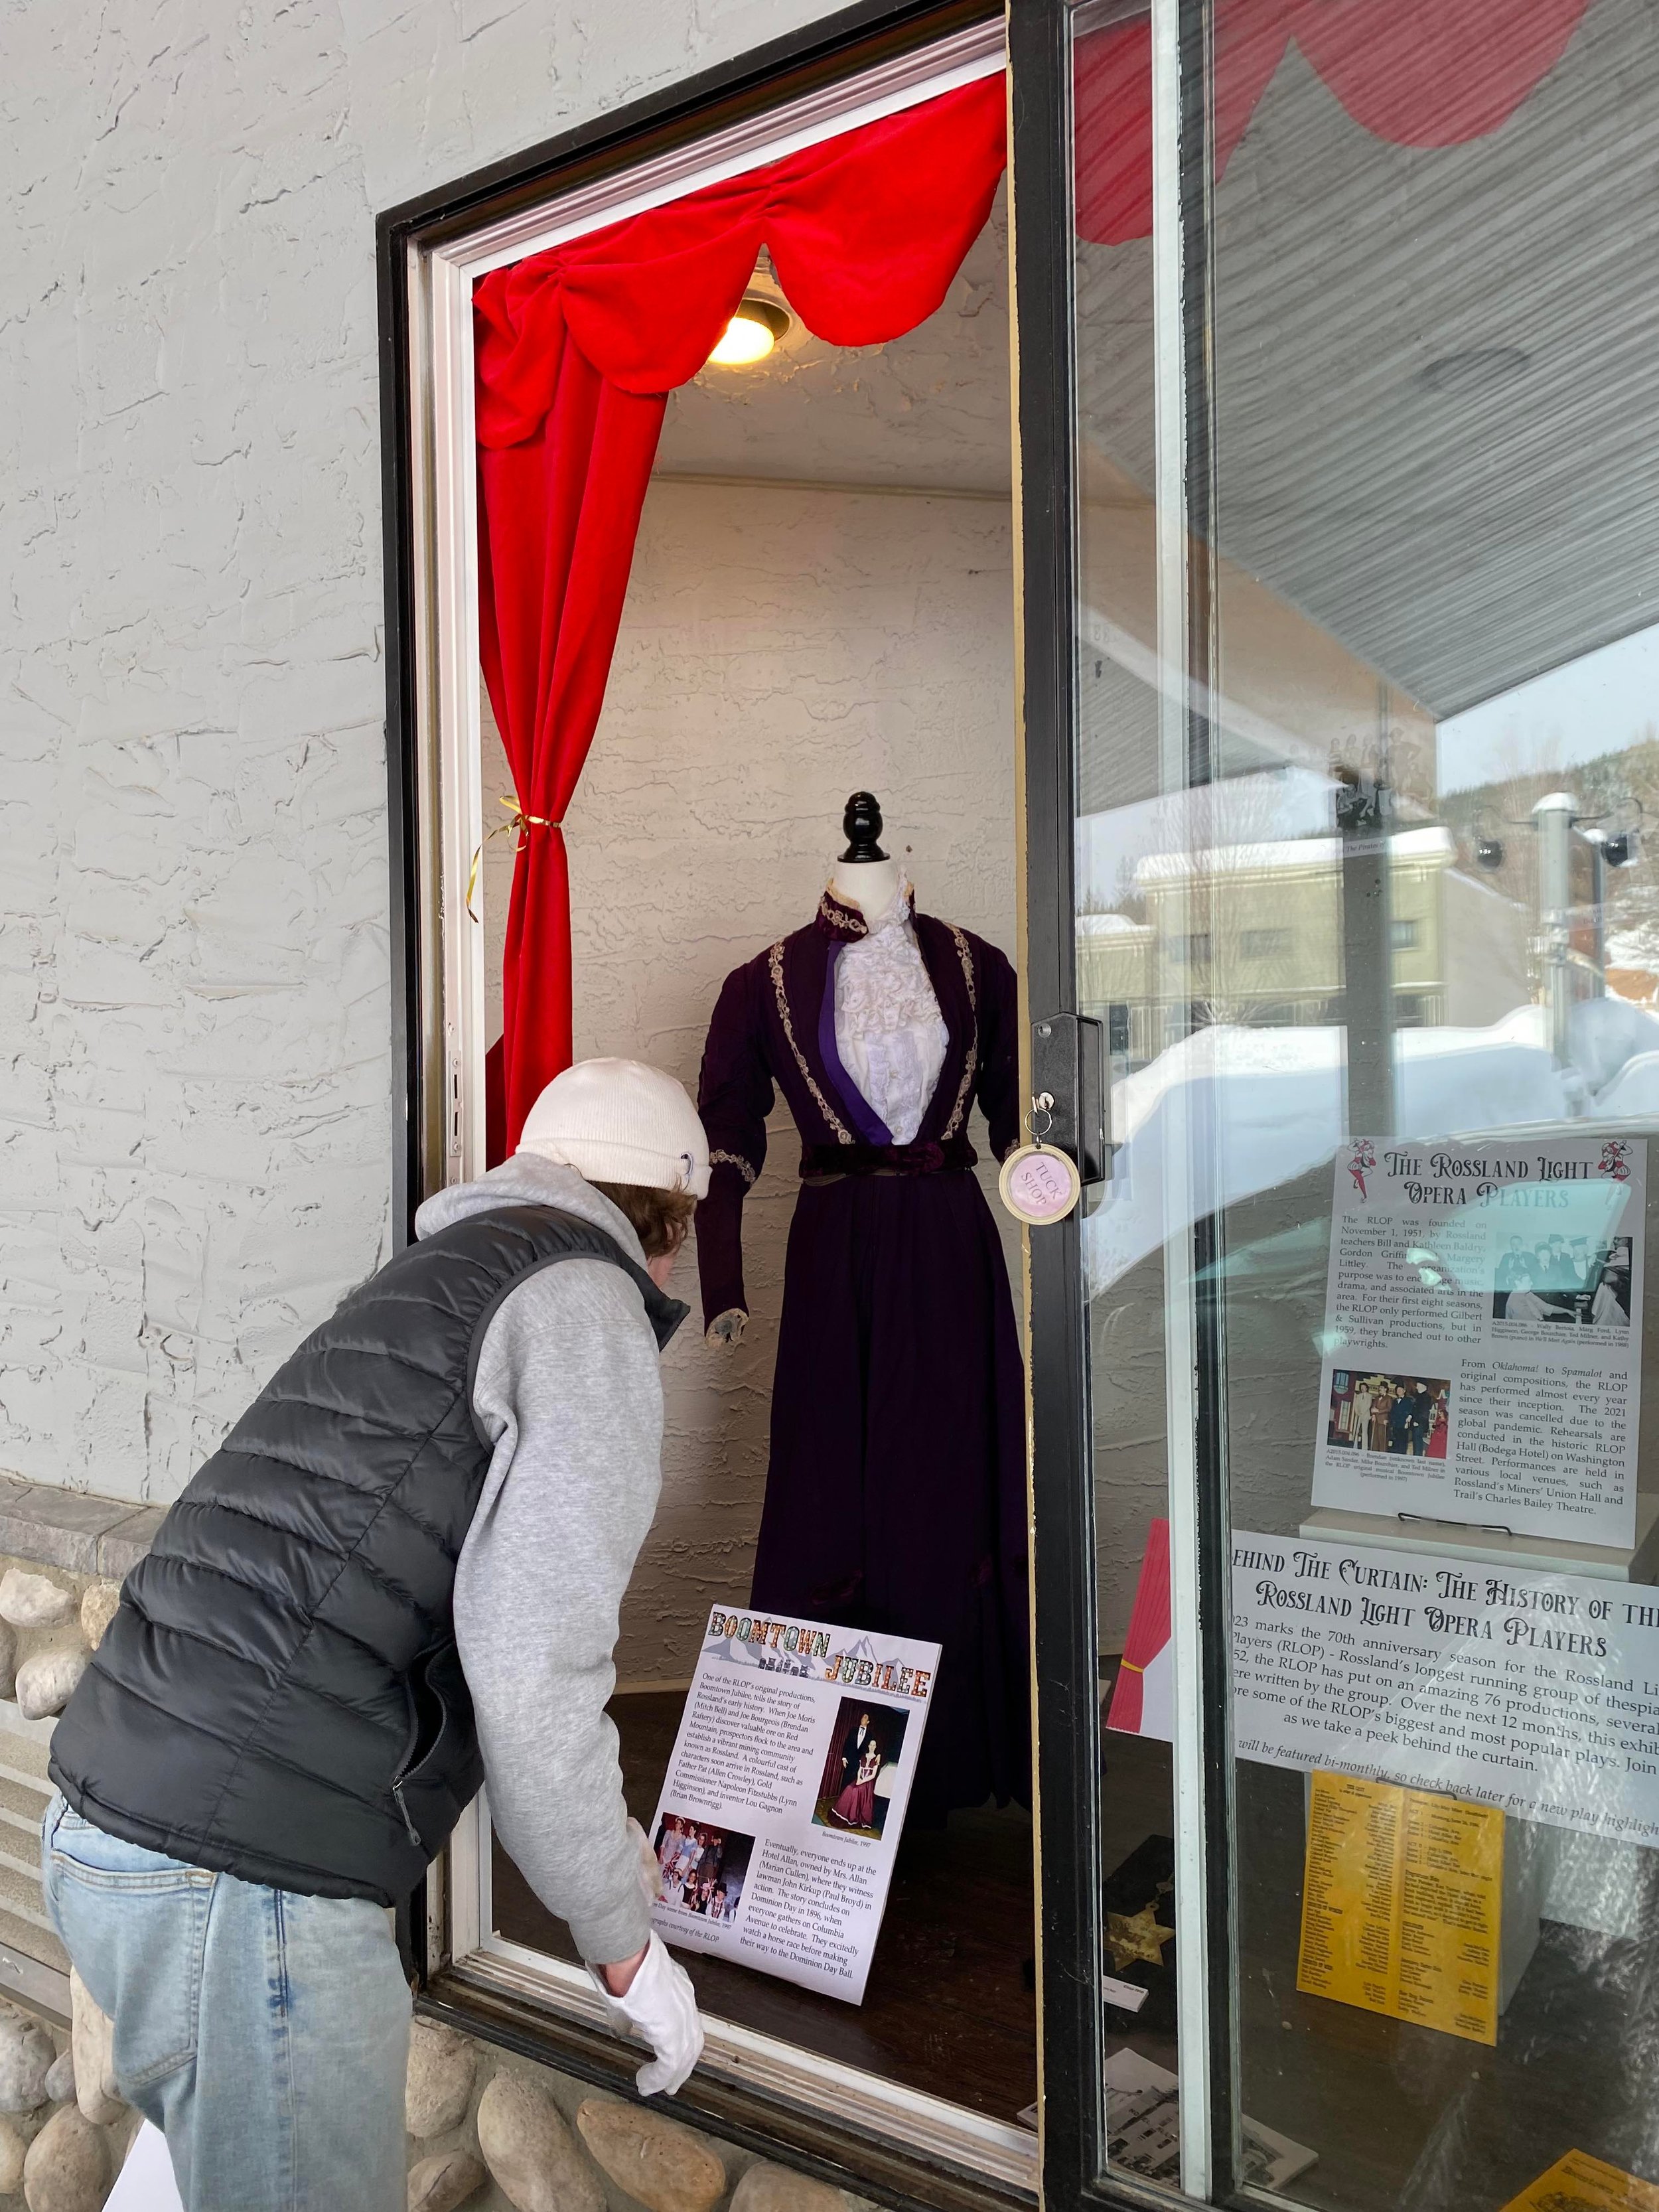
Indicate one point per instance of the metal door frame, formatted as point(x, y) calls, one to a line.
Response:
point(1063, 1551)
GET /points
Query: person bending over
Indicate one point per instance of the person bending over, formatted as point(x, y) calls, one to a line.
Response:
point(397, 1577)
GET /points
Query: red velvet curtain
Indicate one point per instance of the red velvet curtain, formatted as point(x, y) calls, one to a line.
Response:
point(1415, 72)
point(577, 350)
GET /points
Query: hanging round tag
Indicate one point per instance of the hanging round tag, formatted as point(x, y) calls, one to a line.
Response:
point(1039, 1184)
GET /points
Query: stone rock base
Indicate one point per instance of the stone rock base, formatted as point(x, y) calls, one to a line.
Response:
point(530, 2140)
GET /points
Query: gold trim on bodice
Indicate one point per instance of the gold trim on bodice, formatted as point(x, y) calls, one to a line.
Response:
point(959, 1111)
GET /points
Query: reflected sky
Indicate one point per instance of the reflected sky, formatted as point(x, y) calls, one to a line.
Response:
point(1597, 704)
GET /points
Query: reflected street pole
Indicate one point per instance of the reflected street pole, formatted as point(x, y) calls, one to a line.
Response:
point(1554, 815)
point(1362, 813)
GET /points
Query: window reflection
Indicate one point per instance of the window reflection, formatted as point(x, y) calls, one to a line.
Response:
point(1418, 901)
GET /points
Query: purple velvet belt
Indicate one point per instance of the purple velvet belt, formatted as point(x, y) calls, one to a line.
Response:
point(951, 1156)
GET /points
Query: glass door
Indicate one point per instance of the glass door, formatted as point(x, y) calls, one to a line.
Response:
point(1431, 973)
point(1339, 732)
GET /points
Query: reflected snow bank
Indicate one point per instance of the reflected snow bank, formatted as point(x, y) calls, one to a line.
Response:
point(1251, 1109)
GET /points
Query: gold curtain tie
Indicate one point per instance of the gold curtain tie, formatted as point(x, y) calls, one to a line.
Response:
point(517, 821)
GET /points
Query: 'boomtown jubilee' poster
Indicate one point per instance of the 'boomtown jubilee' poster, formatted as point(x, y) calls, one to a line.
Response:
point(783, 1803)
point(1482, 1344)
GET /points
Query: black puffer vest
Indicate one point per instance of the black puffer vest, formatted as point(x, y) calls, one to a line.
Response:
point(279, 1696)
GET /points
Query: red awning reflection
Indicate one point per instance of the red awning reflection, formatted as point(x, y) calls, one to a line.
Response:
point(1415, 72)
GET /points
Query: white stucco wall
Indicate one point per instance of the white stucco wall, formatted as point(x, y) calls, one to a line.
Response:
point(780, 648)
point(194, 1005)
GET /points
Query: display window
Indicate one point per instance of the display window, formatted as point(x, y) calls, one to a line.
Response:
point(722, 774)
point(819, 603)
point(1052, 612)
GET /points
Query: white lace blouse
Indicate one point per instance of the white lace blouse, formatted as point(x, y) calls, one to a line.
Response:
point(890, 1033)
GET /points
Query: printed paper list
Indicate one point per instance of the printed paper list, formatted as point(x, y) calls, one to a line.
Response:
point(1401, 1904)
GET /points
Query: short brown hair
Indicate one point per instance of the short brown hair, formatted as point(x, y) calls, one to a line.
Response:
point(661, 1219)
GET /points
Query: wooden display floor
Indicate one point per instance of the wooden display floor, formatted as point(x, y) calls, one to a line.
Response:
point(949, 2009)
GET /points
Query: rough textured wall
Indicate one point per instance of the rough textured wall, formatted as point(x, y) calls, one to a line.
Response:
point(194, 1044)
point(779, 649)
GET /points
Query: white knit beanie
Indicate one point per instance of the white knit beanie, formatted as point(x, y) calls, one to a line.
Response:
point(618, 1121)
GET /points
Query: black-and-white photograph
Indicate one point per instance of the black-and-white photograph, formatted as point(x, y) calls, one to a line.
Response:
point(1582, 1282)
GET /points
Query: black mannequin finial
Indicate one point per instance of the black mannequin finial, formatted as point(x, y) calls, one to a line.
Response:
point(861, 827)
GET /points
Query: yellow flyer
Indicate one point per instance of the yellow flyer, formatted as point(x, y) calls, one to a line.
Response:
point(1579, 2183)
point(1401, 1901)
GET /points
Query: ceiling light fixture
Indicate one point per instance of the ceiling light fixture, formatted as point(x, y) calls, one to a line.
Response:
point(1474, 372)
point(751, 333)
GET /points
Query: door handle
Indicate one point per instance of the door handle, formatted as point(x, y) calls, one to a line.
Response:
point(1068, 1062)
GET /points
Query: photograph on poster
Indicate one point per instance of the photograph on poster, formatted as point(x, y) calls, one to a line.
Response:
point(1407, 1414)
point(1584, 1283)
point(1512, 1272)
point(702, 1867)
point(856, 1788)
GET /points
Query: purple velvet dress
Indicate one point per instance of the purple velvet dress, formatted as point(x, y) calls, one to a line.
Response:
point(895, 1493)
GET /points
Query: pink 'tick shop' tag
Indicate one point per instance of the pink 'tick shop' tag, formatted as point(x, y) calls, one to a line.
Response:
point(1039, 1185)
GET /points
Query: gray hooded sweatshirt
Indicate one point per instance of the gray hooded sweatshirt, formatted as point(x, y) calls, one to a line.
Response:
point(569, 1392)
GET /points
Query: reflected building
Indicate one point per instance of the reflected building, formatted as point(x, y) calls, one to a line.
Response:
point(1252, 934)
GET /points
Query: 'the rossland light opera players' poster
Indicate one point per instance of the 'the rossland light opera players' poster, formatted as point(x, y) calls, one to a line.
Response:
point(1483, 1335)
point(780, 1815)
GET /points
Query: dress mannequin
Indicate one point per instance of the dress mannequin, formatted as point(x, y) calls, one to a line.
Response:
point(895, 1480)
point(862, 876)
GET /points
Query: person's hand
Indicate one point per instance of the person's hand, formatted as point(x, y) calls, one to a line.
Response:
point(659, 2006)
point(727, 1329)
point(618, 1974)
point(650, 1870)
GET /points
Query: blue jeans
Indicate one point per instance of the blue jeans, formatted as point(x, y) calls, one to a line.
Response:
point(265, 2033)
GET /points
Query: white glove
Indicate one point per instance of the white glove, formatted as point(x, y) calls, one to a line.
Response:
point(650, 1870)
point(660, 2009)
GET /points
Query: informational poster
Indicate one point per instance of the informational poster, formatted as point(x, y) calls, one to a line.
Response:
point(1537, 1693)
point(784, 1802)
point(1579, 2183)
point(1401, 1898)
point(1143, 2128)
point(1483, 1333)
